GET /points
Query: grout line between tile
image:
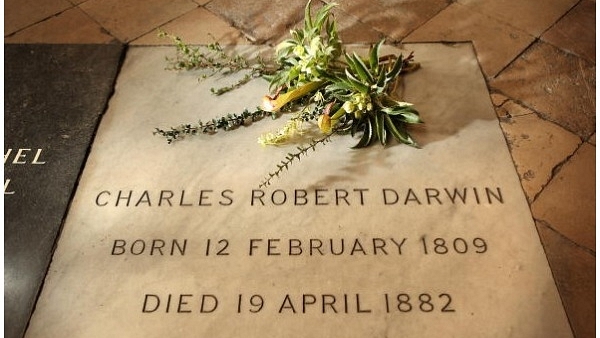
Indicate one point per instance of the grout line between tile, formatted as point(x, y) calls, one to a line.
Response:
point(164, 23)
point(538, 113)
point(560, 294)
point(431, 18)
point(556, 170)
point(40, 21)
point(77, 181)
point(560, 18)
point(535, 40)
point(247, 35)
point(102, 28)
point(579, 246)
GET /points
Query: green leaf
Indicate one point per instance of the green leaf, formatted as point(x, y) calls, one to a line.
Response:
point(374, 57)
point(396, 69)
point(356, 82)
point(339, 85)
point(323, 13)
point(380, 127)
point(354, 128)
point(410, 115)
point(367, 136)
point(362, 69)
point(308, 24)
point(399, 131)
point(381, 82)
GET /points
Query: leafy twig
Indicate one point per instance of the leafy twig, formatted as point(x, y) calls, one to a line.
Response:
point(294, 156)
point(228, 122)
point(214, 59)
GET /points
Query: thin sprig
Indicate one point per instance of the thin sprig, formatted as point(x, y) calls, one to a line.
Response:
point(290, 158)
point(226, 123)
point(213, 59)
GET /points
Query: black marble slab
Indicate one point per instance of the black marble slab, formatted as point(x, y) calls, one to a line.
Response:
point(54, 98)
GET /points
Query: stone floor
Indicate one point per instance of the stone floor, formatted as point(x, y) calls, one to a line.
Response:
point(538, 58)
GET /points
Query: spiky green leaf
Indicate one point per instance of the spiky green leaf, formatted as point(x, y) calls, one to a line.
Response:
point(399, 132)
point(362, 69)
point(396, 69)
point(367, 136)
point(323, 14)
point(374, 57)
point(380, 128)
point(410, 115)
point(356, 83)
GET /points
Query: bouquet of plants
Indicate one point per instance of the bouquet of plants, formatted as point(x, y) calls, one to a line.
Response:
point(312, 79)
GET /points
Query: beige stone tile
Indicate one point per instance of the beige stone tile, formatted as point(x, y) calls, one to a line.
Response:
point(129, 19)
point(462, 148)
point(496, 43)
point(534, 17)
point(574, 270)
point(199, 26)
point(19, 14)
point(70, 26)
point(568, 202)
point(576, 31)
point(536, 146)
point(395, 18)
point(559, 86)
point(264, 20)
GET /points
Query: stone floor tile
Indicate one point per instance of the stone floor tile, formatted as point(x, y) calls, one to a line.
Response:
point(460, 23)
point(353, 30)
point(568, 202)
point(127, 20)
point(558, 85)
point(536, 146)
point(199, 26)
point(19, 14)
point(462, 147)
point(350, 29)
point(498, 99)
point(264, 20)
point(70, 26)
point(510, 109)
point(592, 139)
point(395, 18)
point(533, 17)
point(576, 31)
point(574, 270)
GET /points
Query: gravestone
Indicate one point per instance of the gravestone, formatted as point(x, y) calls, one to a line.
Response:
point(179, 240)
point(54, 96)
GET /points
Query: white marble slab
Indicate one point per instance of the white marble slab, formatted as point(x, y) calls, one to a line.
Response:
point(419, 260)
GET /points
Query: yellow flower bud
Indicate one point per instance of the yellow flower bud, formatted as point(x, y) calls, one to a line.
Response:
point(324, 123)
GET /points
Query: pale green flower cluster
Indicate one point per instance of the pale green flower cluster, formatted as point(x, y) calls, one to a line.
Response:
point(358, 103)
point(307, 55)
point(310, 60)
point(291, 128)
